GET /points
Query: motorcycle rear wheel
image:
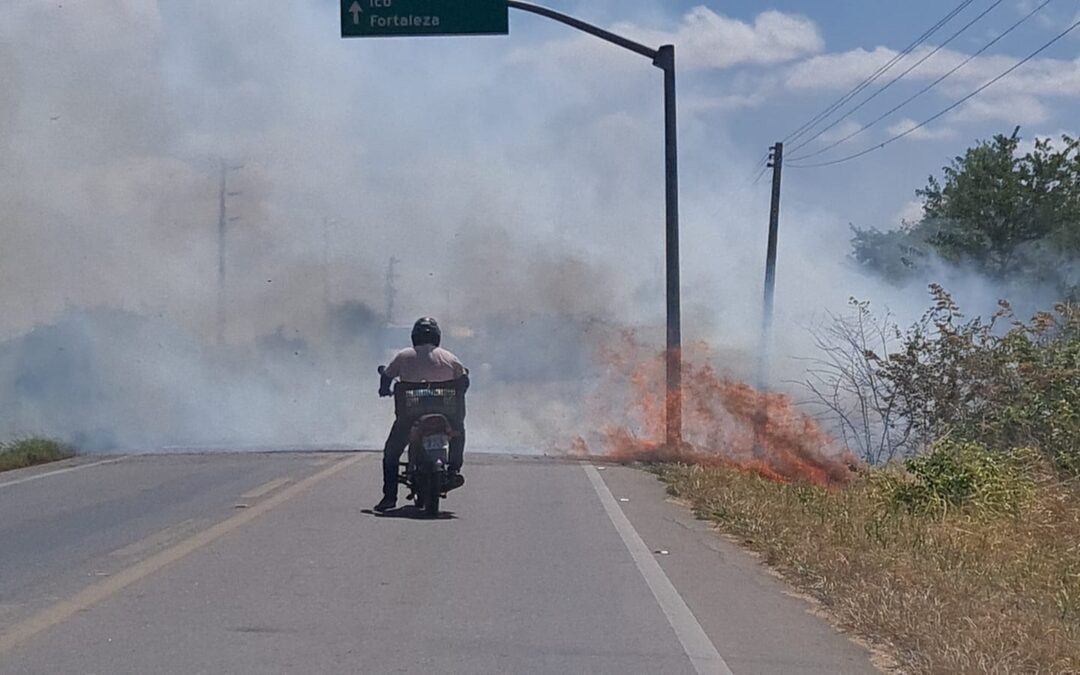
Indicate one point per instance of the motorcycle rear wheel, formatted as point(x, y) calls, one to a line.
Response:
point(433, 488)
point(418, 486)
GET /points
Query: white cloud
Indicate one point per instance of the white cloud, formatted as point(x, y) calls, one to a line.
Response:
point(844, 70)
point(927, 133)
point(704, 40)
point(912, 212)
point(842, 130)
point(1027, 96)
point(1045, 77)
point(1027, 143)
point(693, 104)
point(1022, 110)
point(841, 70)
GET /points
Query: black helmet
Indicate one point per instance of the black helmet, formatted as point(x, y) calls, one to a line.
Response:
point(426, 332)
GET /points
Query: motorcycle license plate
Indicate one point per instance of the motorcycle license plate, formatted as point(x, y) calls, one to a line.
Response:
point(436, 443)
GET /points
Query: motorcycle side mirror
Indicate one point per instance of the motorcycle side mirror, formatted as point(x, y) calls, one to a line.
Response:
point(382, 370)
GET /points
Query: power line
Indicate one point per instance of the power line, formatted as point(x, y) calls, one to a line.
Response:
point(950, 108)
point(758, 165)
point(839, 103)
point(761, 173)
point(899, 77)
point(925, 89)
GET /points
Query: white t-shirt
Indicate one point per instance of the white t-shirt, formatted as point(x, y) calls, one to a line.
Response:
point(425, 363)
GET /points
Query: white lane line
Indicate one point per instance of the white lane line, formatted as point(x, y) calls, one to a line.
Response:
point(265, 489)
point(77, 467)
point(697, 645)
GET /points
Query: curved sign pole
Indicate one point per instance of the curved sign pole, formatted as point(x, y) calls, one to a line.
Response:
point(663, 58)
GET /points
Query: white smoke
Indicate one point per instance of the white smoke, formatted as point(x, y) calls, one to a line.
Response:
point(525, 202)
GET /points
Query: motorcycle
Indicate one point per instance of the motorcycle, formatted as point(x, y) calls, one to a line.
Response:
point(428, 408)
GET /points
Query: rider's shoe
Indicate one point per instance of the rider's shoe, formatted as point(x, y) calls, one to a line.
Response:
point(385, 505)
point(454, 480)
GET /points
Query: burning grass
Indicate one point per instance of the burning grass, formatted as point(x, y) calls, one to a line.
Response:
point(970, 589)
point(725, 422)
point(967, 560)
point(31, 451)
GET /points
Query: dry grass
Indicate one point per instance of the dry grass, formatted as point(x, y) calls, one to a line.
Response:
point(31, 451)
point(960, 591)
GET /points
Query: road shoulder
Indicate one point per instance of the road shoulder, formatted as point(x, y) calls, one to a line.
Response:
point(756, 622)
point(29, 473)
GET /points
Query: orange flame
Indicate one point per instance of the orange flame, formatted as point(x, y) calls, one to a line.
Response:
point(724, 422)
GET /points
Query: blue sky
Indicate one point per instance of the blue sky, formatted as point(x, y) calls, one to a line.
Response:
point(853, 36)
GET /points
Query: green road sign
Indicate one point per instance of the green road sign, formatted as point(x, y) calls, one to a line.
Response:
point(378, 18)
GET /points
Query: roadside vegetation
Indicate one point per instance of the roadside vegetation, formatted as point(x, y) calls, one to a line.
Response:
point(956, 547)
point(31, 451)
point(967, 561)
point(961, 552)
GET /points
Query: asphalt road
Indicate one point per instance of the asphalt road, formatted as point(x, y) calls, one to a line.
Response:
point(273, 563)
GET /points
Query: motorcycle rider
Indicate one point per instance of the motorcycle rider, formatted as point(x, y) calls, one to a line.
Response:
point(426, 361)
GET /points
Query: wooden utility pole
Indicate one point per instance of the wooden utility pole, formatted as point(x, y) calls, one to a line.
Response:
point(776, 163)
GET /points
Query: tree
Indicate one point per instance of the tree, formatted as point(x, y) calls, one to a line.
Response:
point(894, 254)
point(1011, 217)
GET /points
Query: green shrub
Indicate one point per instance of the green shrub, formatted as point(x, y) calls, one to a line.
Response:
point(32, 451)
point(960, 475)
point(1001, 383)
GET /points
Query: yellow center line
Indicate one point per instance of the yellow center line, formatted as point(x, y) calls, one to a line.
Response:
point(156, 540)
point(265, 489)
point(65, 609)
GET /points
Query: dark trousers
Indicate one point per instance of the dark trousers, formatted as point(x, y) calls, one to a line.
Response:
point(396, 443)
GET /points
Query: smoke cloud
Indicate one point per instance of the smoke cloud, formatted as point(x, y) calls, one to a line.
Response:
point(524, 201)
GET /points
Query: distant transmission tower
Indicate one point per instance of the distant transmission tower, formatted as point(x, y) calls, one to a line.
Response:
point(223, 221)
point(327, 222)
point(391, 291)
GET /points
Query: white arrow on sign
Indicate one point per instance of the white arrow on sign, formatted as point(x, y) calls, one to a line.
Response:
point(356, 11)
